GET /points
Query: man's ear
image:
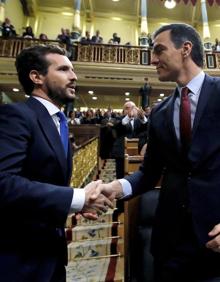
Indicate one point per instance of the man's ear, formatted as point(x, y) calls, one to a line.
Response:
point(36, 77)
point(187, 48)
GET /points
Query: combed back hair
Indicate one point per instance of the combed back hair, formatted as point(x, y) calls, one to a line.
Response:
point(180, 33)
point(34, 58)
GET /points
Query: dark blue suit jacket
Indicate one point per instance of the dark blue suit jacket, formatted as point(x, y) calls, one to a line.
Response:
point(190, 188)
point(35, 197)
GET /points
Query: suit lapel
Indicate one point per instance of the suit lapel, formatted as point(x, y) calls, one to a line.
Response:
point(50, 131)
point(207, 89)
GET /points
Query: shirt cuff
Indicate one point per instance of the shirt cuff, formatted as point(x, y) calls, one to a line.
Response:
point(126, 187)
point(78, 200)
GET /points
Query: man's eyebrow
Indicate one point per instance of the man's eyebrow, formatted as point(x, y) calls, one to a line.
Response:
point(158, 47)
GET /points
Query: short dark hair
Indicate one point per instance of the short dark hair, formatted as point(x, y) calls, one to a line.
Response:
point(179, 33)
point(33, 58)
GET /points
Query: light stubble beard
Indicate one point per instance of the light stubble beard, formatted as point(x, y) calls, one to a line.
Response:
point(58, 95)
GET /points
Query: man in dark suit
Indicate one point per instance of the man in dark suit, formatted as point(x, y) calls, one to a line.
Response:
point(186, 236)
point(131, 125)
point(35, 170)
point(97, 38)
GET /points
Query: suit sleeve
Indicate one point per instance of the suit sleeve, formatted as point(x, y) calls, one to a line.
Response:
point(19, 195)
point(151, 170)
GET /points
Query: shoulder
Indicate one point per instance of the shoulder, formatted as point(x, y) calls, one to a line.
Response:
point(163, 105)
point(16, 111)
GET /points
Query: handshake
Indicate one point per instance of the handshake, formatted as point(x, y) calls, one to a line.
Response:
point(99, 197)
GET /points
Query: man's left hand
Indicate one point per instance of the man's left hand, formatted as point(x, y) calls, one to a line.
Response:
point(214, 244)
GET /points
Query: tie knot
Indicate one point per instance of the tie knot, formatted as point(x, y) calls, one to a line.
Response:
point(61, 116)
point(185, 91)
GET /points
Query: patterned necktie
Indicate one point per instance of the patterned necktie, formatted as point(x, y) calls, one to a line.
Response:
point(185, 118)
point(64, 132)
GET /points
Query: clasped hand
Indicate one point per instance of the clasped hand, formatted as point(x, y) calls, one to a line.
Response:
point(99, 197)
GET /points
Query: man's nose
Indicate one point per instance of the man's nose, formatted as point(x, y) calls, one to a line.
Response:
point(154, 60)
point(73, 76)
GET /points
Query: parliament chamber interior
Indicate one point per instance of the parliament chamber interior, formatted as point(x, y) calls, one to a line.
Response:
point(109, 44)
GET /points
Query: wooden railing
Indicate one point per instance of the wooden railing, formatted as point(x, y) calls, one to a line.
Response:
point(12, 47)
point(99, 53)
point(85, 162)
point(114, 54)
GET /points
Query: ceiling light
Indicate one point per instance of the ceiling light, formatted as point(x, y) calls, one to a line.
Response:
point(170, 4)
point(67, 13)
point(127, 99)
point(26, 96)
point(116, 19)
point(115, 0)
point(15, 90)
point(159, 100)
point(127, 93)
point(91, 92)
point(161, 94)
point(94, 98)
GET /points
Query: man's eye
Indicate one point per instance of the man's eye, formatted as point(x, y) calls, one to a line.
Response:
point(64, 69)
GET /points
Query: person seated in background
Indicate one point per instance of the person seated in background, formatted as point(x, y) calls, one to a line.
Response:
point(43, 37)
point(115, 38)
point(8, 29)
point(89, 117)
point(86, 39)
point(97, 38)
point(72, 119)
point(28, 32)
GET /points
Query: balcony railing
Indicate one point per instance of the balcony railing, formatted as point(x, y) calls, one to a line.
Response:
point(98, 53)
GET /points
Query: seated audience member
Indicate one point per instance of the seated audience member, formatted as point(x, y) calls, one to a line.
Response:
point(8, 29)
point(72, 119)
point(115, 38)
point(28, 32)
point(86, 39)
point(89, 117)
point(97, 38)
point(63, 37)
point(43, 36)
point(99, 116)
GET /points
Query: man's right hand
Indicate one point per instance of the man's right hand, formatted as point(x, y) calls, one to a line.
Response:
point(112, 190)
point(95, 202)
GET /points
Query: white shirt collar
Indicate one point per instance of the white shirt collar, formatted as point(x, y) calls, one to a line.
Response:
point(195, 84)
point(52, 109)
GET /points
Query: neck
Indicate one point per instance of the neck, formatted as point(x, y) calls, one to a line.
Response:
point(188, 73)
point(43, 95)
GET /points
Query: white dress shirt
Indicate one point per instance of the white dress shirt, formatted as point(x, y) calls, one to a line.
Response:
point(78, 199)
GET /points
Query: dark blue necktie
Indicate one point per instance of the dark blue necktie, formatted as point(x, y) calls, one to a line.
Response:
point(64, 132)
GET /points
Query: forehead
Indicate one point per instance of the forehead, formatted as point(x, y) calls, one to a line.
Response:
point(58, 60)
point(128, 105)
